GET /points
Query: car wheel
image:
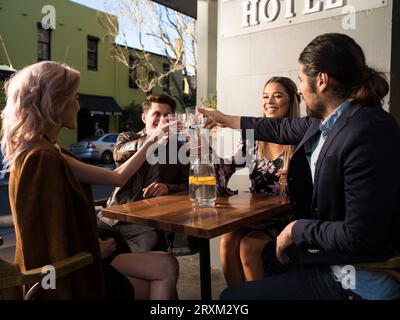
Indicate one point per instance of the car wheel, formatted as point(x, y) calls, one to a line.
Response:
point(107, 157)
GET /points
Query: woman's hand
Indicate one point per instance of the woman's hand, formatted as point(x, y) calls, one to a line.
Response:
point(213, 117)
point(282, 174)
point(217, 118)
point(87, 173)
point(107, 247)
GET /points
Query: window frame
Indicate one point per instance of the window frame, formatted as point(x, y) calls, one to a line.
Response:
point(90, 52)
point(40, 42)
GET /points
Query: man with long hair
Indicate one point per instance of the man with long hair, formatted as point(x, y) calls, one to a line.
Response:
point(346, 205)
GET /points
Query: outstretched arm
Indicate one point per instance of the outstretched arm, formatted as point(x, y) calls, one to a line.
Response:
point(95, 175)
point(217, 118)
point(282, 131)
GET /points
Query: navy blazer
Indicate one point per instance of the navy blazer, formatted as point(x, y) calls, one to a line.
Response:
point(351, 213)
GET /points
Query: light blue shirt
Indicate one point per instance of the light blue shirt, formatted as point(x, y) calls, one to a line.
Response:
point(369, 285)
point(325, 127)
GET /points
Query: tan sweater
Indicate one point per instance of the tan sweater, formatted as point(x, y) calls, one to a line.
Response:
point(54, 218)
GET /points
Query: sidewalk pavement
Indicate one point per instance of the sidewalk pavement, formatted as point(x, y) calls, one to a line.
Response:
point(189, 275)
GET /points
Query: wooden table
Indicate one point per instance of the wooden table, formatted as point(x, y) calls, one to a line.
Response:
point(175, 213)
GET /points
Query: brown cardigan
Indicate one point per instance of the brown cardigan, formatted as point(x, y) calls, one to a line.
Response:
point(54, 218)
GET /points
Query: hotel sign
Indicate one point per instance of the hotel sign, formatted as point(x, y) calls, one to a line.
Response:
point(247, 16)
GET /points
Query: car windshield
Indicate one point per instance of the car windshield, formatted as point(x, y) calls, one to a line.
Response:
point(111, 138)
point(92, 138)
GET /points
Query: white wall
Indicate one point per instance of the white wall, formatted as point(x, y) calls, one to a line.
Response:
point(246, 62)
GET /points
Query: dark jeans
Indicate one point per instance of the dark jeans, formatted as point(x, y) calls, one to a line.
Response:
point(289, 282)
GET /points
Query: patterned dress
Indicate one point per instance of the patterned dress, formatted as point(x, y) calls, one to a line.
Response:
point(263, 179)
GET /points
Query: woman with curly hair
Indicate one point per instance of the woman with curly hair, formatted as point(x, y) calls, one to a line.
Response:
point(241, 250)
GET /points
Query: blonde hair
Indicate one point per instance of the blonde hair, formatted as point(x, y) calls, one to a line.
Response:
point(35, 97)
point(294, 112)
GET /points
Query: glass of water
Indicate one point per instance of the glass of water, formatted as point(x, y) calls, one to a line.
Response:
point(180, 125)
point(194, 118)
point(173, 128)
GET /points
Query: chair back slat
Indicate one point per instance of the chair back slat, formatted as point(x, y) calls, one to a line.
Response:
point(10, 281)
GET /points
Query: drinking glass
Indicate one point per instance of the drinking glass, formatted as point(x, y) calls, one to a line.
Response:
point(173, 128)
point(194, 118)
point(179, 127)
point(181, 117)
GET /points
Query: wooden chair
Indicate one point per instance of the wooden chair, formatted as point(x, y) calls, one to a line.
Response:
point(102, 202)
point(12, 279)
point(390, 266)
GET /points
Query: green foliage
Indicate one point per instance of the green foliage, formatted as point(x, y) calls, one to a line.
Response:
point(131, 120)
point(210, 102)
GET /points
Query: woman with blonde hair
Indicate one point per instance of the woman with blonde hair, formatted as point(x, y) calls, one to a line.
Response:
point(50, 194)
point(241, 250)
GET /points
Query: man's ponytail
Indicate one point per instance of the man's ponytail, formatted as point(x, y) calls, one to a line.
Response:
point(372, 88)
point(343, 60)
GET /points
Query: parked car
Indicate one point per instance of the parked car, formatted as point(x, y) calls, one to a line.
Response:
point(3, 166)
point(96, 147)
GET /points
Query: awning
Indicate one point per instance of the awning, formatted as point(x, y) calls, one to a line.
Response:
point(6, 72)
point(100, 104)
point(188, 7)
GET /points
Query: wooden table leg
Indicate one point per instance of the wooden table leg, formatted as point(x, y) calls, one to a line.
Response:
point(205, 269)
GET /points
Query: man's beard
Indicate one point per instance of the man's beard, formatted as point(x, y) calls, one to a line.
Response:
point(317, 112)
point(319, 109)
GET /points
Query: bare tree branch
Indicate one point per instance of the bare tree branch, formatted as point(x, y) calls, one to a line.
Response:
point(175, 33)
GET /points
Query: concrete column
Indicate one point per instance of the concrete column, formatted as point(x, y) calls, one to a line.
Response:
point(207, 18)
point(207, 24)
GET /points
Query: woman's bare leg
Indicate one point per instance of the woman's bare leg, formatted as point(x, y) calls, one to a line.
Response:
point(142, 287)
point(251, 248)
point(160, 269)
point(230, 258)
